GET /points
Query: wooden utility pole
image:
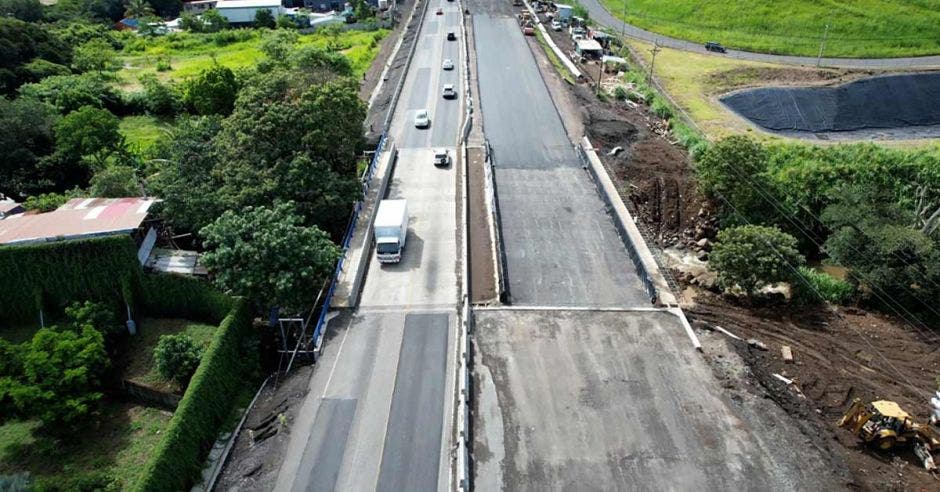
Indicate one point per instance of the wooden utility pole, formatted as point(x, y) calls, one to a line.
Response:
point(654, 51)
point(822, 45)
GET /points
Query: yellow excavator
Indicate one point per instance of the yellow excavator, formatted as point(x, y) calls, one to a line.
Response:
point(885, 426)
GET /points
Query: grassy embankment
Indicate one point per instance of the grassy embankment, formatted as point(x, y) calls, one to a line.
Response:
point(857, 28)
point(184, 55)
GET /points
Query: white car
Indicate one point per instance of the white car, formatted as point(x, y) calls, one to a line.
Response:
point(449, 91)
point(556, 26)
point(422, 120)
point(448, 64)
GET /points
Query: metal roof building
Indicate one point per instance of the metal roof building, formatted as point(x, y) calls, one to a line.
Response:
point(79, 218)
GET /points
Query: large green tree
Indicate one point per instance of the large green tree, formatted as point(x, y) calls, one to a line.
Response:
point(23, 42)
point(212, 91)
point(885, 247)
point(96, 55)
point(71, 92)
point(733, 171)
point(89, 133)
point(26, 138)
point(751, 257)
point(138, 9)
point(264, 19)
point(267, 255)
point(24, 10)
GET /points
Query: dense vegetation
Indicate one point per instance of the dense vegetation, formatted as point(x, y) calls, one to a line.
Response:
point(857, 28)
point(872, 210)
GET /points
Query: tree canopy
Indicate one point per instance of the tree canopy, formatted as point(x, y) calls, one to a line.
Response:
point(267, 255)
point(751, 257)
point(23, 42)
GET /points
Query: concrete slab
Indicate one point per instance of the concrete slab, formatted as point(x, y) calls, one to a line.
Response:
point(587, 400)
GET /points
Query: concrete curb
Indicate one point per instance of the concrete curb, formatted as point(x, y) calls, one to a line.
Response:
point(358, 271)
point(639, 251)
point(551, 43)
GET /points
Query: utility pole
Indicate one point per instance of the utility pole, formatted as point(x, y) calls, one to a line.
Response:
point(822, 45)
point(654, 51)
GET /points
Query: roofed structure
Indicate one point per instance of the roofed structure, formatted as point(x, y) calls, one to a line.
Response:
point(78, 218)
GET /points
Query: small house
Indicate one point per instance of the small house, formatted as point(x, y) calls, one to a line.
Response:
point(242, 12)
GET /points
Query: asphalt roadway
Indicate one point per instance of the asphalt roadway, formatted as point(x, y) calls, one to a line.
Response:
point(602, 16)
point(581, 400)
point(378, 415)
point(560, 244)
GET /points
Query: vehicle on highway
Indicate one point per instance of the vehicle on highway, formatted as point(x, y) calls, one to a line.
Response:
point(422, 120)
point(439, 12)
point(715, 47)
point(391, 230)
point(441, 158)
point(448, 64)
point(556, 26)
point(449, 92)
point(451, 36)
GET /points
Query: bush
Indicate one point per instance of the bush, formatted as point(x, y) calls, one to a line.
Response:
point(45, 202)
point(814, 286)
point(620, 93)
point(213, 91)
point(98, 315)
point(177, 358)
point(70, 92)
point(159, 98)
point(751, 257)
point(166, 294)
point(208, 401)
point(163, 64)
point(661, 108)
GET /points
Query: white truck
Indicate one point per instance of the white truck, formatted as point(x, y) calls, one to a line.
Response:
point(391, 230)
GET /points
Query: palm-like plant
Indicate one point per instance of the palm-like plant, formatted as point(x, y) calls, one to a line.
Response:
point(137, 9)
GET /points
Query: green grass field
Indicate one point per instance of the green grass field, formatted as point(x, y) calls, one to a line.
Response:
point(139, 365)
point(858, 28)
point(183, 55)
point(141, 132)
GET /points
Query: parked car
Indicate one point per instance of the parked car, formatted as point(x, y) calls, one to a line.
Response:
point(449, 91)
point(448, 64)
point(556, 26)
point(422, 120)
point(715, 47)
point(441, 158)
point(451, 36)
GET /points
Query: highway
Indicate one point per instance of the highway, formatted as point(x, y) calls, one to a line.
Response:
point(378, 415)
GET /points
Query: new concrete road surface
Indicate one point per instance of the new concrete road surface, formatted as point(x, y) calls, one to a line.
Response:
point(617, 401)
point(378, 415)
point(560, 244)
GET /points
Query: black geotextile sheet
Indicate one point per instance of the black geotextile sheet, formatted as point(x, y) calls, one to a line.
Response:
point(894, 101)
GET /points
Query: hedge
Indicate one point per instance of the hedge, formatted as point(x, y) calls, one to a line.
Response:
point(166, 294)
point(48, 276)
point(178, 458)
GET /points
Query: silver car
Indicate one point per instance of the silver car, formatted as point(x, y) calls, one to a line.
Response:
point(422, 120)
point(449, 91)
point(448, 64)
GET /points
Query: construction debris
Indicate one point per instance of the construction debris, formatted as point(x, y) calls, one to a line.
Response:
point(753, 342)
point(787, 354)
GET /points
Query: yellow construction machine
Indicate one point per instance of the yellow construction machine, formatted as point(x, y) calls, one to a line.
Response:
point(884, 425)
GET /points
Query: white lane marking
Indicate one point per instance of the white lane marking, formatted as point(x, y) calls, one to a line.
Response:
point(336, 360)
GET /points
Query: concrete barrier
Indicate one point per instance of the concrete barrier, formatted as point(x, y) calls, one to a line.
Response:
point(647, 268)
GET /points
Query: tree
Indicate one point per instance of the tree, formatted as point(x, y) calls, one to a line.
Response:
point(212, 91)
point(183, 176)
point(159, 98)
point(89, 133)
point(286, 22)
point(137, 9)
point(115, 181)
point(292, 138)
point(26, 138)
point(56, 378)
point(96, 55)
point(23, 42)
point(94, 314)
point(264, 19)
point(45, 202)
point(177, 358)
point(362, 10)
point(269, 256)
point(213, 21)
point(191, 22)
point(882, 247)
point(733, 170)
point(70, 92)
point(24, 10)
point(751, 257)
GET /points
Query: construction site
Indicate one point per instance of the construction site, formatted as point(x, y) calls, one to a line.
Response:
point(811, 364)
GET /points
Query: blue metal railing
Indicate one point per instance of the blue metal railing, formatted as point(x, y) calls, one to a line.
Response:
point(347, 237)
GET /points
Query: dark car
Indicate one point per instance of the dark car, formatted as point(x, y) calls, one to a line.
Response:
point(441, 158)
point(451, 36)
point(715, 47)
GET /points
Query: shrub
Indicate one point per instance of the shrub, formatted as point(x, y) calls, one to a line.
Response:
point(98, 315)
point(814, 286)
point(45, 202)
point(177, 358)
point(213, 91)
point(159, 98)
point(70, 92)
point(163, 64)
point(620, 93)
point(661, 108)
point(751, 257)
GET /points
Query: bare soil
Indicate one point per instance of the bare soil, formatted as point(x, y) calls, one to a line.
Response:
point(840, 353)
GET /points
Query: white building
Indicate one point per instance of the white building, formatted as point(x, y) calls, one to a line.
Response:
point(243, 11)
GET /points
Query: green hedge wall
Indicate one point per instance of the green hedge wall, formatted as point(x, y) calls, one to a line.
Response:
point(208, 401)
point(53, 274)
point(176, 296)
